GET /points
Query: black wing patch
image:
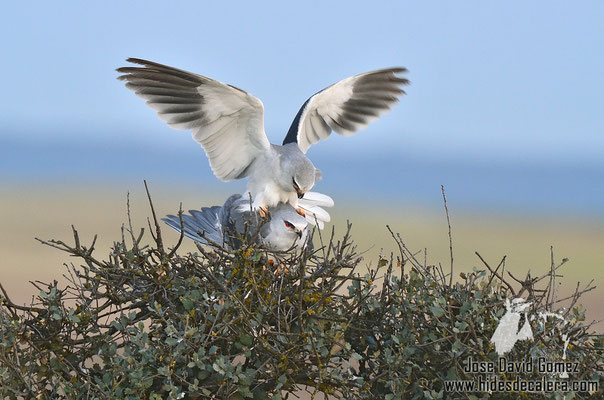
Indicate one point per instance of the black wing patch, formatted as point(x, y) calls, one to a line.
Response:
point(292, 133)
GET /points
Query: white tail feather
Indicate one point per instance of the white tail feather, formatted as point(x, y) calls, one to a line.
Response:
point(315, 199)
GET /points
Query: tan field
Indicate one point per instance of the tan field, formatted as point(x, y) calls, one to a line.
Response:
point(48, 212)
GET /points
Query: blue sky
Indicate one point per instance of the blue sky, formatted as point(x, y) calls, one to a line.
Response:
point(512, 81)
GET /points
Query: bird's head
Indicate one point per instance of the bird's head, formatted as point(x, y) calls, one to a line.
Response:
point(300, 174)
point(287, 228)
point(291, 220)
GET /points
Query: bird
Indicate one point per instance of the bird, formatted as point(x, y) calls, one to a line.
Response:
point(228, 224)
point(228, 123)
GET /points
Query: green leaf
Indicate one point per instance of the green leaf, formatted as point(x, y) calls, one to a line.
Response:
point(437, 311)
point(187, 303)
point(246, 340)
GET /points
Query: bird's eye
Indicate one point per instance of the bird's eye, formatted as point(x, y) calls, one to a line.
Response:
point(295, 184)
point(289, 224)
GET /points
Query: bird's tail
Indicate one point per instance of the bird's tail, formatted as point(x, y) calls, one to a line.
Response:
point(312, 204)
point(199, 226)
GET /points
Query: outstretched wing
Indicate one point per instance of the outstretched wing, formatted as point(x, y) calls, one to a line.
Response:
point(346, 107)
point(227, 121)
point(199, 226)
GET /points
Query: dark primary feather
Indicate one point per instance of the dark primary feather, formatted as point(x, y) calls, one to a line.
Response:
point(172, 92)
point(156, 67)
point(198, 225)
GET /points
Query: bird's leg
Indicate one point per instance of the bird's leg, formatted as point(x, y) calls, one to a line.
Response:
point(271, 262)
point(281, 268)
point(263, 212)
point(301, 212)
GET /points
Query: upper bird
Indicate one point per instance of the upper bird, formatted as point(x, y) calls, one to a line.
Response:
point(229, 123)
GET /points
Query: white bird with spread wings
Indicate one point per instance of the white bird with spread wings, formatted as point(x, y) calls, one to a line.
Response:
point(229, 123)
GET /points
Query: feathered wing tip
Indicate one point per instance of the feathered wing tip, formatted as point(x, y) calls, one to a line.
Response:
point(241, 203)
point(316, 199)
point(199, 226)
point(316, 216)
point(312, 204)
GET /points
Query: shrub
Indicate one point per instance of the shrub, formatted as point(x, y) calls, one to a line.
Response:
point(151, 323)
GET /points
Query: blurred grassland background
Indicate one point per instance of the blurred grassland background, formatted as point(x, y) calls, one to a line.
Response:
point(504, 110)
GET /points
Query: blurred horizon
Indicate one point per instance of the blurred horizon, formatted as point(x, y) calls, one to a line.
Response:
point(560, 190)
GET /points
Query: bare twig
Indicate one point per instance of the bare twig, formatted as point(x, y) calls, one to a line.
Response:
point(158, 238)
point(182, 232)
point(494, 272)
point(442, 187)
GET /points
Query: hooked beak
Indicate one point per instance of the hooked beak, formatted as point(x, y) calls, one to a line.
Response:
point(299, 192)
point(299, 233)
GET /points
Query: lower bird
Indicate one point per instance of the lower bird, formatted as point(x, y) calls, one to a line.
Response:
point(229, 224)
